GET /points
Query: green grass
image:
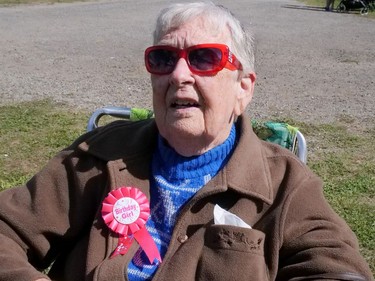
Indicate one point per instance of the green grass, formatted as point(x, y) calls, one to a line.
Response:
point(343, 156)
point(30, 134)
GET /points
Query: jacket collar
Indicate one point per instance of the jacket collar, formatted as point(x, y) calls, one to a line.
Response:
point(112, 142)
point(247, 171)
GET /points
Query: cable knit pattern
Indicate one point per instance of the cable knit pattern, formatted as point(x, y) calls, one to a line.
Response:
point(175, 179)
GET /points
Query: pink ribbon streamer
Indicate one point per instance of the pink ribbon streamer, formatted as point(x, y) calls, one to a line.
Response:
point(148, 245)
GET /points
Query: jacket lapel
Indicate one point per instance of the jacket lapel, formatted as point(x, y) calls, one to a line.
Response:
point(247, 170)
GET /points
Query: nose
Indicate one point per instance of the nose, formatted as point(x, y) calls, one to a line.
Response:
point(181, 73)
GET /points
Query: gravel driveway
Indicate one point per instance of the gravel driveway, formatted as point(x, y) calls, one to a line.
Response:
point(311, 65)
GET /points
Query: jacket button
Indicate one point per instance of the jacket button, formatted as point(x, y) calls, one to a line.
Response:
point(182, 238)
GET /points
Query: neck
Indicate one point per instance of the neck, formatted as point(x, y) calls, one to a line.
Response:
point(188, 145)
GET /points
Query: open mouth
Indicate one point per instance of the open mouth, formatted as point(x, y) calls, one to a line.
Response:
point(184, 104)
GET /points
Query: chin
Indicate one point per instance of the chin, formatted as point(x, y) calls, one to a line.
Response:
point(186, 128)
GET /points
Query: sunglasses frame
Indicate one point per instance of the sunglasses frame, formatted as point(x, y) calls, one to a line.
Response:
point(228, 59)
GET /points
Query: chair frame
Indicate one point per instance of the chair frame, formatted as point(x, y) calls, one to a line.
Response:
point(126, 113)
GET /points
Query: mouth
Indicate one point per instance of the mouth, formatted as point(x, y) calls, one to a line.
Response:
point(184, 104)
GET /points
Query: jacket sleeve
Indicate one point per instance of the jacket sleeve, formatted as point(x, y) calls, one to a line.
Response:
point(40, 220)
point(316, 243)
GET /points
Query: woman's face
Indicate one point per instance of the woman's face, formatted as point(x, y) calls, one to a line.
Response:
point(195, 113)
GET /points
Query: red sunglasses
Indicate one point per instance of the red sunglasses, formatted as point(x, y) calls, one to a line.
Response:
point(202, 59)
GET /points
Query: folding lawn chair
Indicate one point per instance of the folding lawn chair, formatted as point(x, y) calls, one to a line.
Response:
point(276, 132)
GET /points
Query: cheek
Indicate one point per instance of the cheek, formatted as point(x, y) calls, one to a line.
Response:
point(219, 109)
point(159, 83)
point(159, 89)
point(224, 95)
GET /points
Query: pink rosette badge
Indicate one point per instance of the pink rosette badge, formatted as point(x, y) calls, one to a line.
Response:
point(126, 211)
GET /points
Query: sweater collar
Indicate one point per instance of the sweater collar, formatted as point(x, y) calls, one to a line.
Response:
point(174, 166)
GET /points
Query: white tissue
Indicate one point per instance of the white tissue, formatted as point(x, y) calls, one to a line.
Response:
point(222, 216)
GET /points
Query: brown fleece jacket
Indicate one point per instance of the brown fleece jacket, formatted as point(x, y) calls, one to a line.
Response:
point(295, 236)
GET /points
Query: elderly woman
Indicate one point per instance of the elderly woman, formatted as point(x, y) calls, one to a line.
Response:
point(223, 204)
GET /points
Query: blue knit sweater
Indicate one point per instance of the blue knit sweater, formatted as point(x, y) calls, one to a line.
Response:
point(175, 179)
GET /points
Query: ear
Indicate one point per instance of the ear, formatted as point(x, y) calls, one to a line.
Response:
point(245, 93)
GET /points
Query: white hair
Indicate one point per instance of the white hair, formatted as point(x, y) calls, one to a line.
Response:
point(176, 15)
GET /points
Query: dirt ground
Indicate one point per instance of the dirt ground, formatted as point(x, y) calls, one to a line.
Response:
point(312, 65)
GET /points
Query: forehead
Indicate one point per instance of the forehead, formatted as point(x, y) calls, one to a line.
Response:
point(196, 31)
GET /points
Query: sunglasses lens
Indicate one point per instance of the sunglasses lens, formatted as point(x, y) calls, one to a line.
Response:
point(162, 61)
point(205, 59)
